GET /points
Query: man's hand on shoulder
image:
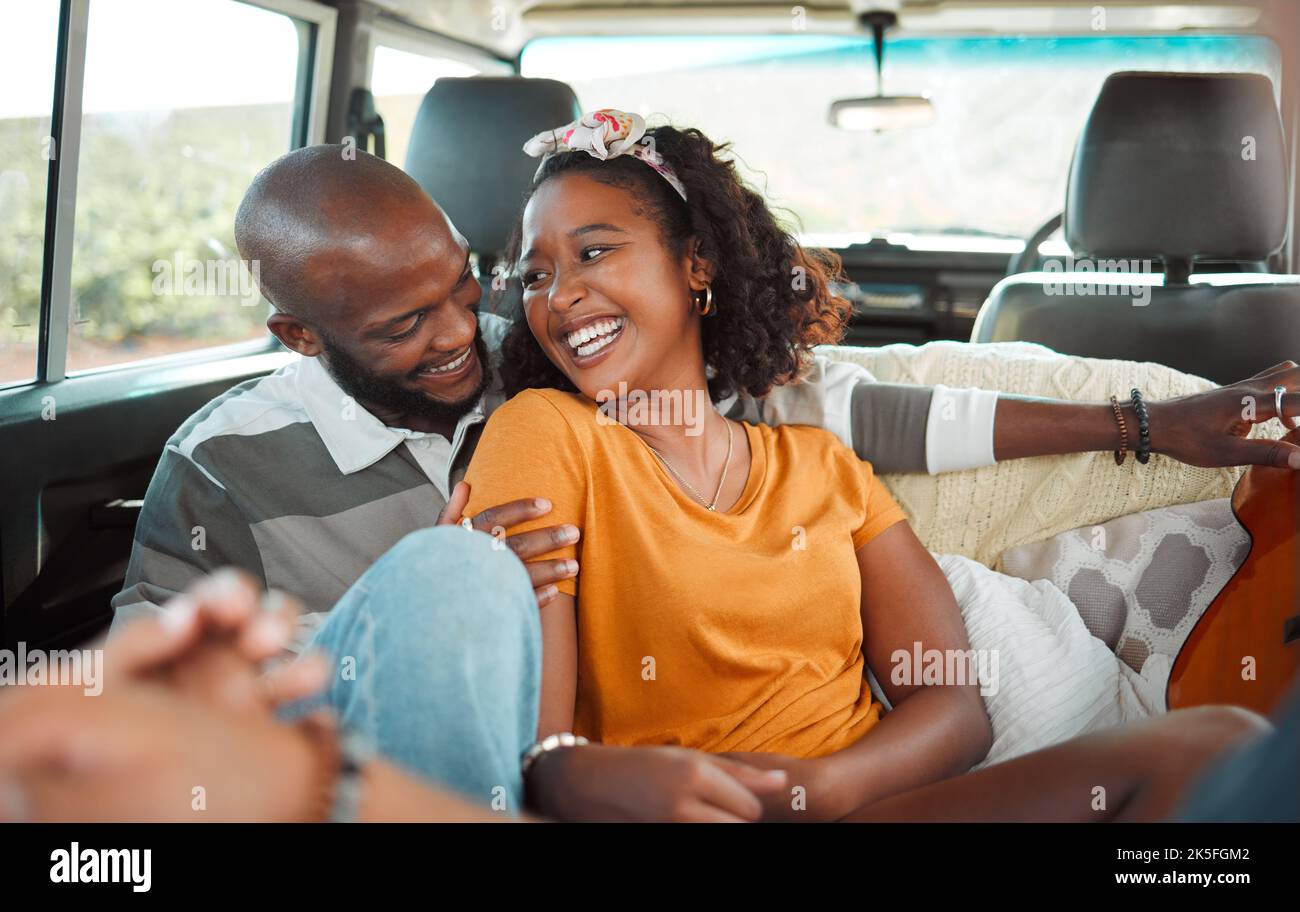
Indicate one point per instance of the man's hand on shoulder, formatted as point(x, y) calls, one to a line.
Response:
point(499, 520)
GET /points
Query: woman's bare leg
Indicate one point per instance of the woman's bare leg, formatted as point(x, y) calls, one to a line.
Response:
point(1133, 772)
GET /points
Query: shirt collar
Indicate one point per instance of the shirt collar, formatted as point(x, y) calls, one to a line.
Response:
point(354, 437)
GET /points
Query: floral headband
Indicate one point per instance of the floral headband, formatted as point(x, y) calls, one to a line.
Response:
point(604, 134)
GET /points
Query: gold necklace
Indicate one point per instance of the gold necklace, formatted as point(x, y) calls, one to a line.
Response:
point(708, 504)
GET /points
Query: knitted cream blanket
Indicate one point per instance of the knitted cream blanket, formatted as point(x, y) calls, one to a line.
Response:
point(980, 513)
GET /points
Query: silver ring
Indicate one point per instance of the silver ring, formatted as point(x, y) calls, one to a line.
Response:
point(1278, 393)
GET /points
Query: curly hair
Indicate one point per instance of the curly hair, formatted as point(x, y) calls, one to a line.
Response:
point(773, 298)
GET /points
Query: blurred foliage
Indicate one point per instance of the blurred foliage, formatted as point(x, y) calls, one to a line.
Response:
point(150, 186)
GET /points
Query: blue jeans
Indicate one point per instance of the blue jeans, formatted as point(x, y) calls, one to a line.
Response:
point(437, 651)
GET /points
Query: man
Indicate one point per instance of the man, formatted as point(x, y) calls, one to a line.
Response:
point(307, 477)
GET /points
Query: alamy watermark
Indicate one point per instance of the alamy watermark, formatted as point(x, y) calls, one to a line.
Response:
point(1078, 278)
point(75, 865)
point(653, 408)
point(951, 667)
point(217, 278)
point(33, 667)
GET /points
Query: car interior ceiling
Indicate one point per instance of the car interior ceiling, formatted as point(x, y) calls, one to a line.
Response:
point(71, 488)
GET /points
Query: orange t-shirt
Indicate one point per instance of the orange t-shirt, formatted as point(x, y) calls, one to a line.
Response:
point(736, 631)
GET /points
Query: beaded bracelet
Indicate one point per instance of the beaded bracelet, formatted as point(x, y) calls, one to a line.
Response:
point(1123, 432)
point(1144, 428)
point(343, 756)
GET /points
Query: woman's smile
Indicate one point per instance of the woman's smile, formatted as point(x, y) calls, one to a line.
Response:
point(589, 340)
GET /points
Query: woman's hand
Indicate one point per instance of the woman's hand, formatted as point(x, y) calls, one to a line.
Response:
point(811, 794)
point(184, 728)
point(213, 642)
point(1209, 429)
point(598, 782)
point(143, 751)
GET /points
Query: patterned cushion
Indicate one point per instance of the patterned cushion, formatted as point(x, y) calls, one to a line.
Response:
point(1140, 582)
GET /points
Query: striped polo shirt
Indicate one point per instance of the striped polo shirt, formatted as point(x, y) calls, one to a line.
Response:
point(291, 480)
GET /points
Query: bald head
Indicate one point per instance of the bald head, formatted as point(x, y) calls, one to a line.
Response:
point(369, 275)
point(326, 223)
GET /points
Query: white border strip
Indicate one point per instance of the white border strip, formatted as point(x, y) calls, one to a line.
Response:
point(66, 157)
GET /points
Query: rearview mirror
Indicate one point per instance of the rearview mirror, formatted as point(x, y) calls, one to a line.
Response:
point(882, 112)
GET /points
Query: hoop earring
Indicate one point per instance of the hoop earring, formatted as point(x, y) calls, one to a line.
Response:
point(708, 302)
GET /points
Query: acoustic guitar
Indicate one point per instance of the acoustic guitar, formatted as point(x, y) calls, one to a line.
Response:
point(1245, 649)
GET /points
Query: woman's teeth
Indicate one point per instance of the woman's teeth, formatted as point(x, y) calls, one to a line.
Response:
point(595, 336)
point(451, 365)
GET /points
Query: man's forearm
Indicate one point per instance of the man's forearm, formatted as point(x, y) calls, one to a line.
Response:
point(1029, 426)
point(389, 795)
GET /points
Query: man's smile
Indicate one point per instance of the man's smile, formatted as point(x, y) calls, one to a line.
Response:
point(440, 379)
point(450, 366)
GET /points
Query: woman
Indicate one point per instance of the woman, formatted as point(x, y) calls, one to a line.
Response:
point(736, 581)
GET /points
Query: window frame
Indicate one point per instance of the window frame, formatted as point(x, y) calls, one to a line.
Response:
point(403, 36)
point(316, 24)
point(1286, 90)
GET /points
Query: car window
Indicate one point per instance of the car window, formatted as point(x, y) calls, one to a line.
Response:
point(992, 162)
point(399, 80)
point(27, 52)
point(175, 124)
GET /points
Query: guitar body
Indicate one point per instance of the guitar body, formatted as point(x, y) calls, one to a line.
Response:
point(1257, 615)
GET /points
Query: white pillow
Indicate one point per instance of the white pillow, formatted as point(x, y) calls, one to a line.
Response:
point(1054, 680)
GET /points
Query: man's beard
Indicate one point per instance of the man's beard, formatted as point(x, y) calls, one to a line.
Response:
point(369, 388)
